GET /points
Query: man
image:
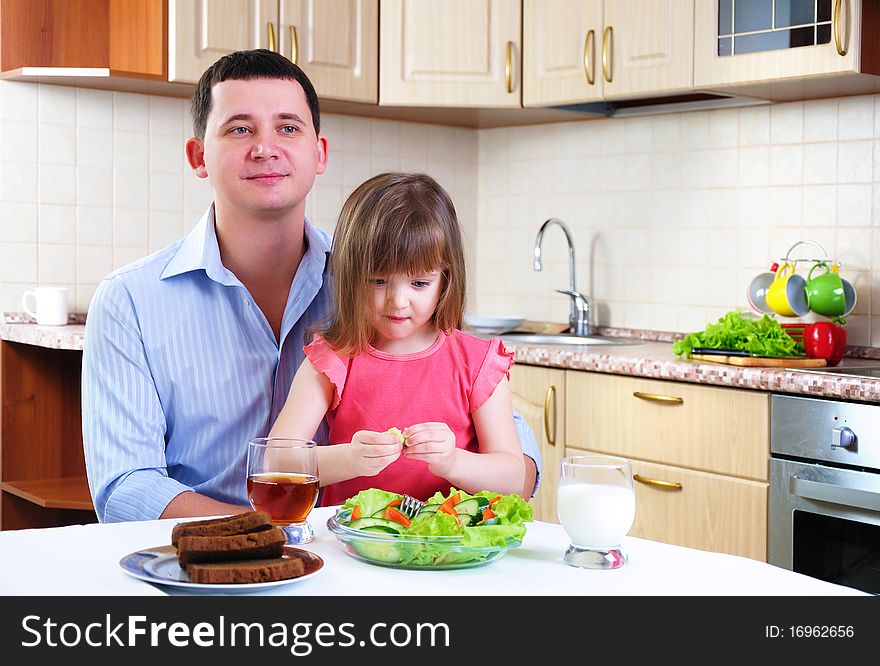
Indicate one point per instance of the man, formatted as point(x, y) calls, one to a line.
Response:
point(190, 352)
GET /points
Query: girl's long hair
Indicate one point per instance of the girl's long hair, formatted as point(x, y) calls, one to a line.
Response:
point(401, 223)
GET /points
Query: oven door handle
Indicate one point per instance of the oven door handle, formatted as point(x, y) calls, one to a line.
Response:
point(826, 492)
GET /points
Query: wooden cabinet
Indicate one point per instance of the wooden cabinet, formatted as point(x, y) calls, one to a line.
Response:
point(42, 469)
point(123, 37)
point(822, 49)
point(452, 53)
point(698, 509)
point(336, 44)
point(334, 41)
point(700, 454)
point(577, 52)
point(539, 397)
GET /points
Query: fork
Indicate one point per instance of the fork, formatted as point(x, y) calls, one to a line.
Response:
point(410, 506)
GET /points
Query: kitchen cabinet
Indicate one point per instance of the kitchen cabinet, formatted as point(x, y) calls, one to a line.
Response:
point(452, 53)
point(539, 397)
point(577, 52)
point(784, 49)
point(99, 37)
point(42, 468)
point(334, 41)
point(700, 455)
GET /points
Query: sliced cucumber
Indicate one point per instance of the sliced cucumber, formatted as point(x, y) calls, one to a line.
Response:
point(384, 523)
point(378, 551)
point(469, 507)
point(380, 529)
point(428, 508)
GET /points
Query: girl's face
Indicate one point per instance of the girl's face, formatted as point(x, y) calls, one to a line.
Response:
point(402, 308)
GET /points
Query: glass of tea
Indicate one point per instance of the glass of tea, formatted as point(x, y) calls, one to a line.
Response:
point(282, 480)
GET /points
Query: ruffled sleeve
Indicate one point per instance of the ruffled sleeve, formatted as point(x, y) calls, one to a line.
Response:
point(330, 364)
point(496, 366)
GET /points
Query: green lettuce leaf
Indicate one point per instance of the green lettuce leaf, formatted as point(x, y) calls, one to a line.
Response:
point(762, 336)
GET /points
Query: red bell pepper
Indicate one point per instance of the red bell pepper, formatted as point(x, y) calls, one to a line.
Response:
point(494, 499)
point(356, 512)
point(447, 506)
point(488, 513)
point(395, 503)
point(824, 339)
point(393, 514)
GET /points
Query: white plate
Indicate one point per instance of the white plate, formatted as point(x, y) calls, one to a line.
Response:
point(493, 324)
point(159, 565)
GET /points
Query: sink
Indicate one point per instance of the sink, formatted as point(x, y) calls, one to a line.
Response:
point(566, 339)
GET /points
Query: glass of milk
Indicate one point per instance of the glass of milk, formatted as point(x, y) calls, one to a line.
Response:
point(596, 505)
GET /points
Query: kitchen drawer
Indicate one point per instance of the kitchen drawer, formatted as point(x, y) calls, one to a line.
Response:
point(689, 425)
point(709, 511)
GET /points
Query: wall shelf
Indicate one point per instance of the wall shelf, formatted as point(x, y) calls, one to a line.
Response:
point(65, 493)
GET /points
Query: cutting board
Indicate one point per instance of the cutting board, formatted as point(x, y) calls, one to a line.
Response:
point(762, 361)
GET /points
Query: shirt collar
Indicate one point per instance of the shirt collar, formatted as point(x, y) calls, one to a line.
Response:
point(199, 250)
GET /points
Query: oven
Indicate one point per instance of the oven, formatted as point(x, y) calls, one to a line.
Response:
point(824, 511)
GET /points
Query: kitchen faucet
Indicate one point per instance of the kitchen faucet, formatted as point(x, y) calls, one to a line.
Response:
point(581, 306)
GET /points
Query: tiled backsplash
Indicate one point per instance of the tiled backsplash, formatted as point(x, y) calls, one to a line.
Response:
point(671, 214)
point(91, 180)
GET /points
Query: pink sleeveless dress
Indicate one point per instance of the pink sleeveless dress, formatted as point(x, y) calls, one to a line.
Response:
point(376, 391)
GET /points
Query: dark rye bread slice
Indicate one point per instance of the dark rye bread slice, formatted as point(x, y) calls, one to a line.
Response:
point(240, 523)
point(256, 545)
point(245, 571)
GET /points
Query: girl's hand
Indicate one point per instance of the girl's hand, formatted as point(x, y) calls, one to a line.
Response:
point(434, 443)
point(371, 452)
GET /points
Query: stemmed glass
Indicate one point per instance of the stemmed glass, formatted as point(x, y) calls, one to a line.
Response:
point(282, 480)
point(596, 506)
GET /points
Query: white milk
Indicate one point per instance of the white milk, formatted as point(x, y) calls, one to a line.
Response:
point(595, 515)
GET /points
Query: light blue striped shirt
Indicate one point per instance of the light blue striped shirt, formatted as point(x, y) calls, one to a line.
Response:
point(181, 369)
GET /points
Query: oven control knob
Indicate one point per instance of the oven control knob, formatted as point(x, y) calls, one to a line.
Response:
point(842, 438)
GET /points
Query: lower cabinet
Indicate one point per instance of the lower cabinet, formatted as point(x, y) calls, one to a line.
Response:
point(539, 397)
point(698, 509)
point(700, 456)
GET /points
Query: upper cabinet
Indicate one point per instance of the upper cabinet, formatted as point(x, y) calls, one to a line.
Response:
point(585, 51)
point(97, 38)
point(334, 41)
point(450, 53)
point(336, 44)
point(803, 48)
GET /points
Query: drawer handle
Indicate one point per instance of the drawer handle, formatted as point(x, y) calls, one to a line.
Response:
point(590, 56)
point(550, 397)
point(656, 397)
point(658, 483)
point(270, 30)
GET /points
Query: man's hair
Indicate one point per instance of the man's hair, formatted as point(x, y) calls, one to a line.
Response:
point(394, 223)
point(243, 66)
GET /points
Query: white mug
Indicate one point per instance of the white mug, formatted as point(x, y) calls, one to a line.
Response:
point(51, 305)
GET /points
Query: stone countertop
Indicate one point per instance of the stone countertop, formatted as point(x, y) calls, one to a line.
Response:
point(19, 327)
point(654, 359)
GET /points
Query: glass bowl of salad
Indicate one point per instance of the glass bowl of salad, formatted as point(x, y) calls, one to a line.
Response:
point(452, 531)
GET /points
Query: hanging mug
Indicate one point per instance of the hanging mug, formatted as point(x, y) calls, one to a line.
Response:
point(825, 294)
point(787, 294)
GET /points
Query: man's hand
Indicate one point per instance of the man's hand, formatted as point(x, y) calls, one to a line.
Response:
point(434, 443)
point(371, 452)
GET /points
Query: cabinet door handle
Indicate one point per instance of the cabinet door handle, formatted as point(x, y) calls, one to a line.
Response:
point(294, 46)
point(838, 42)
point(550, 397)
point(607, 54)
point(656, 397)
point(508, 67)
point(590, 56)
point(658, 483)
point(270, 29)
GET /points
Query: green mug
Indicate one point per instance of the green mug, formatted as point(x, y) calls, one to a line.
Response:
point(825, 293)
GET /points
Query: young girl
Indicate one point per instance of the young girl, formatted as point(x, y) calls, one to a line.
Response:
point(392, 356)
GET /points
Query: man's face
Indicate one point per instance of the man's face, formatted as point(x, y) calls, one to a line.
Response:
point(260, 150)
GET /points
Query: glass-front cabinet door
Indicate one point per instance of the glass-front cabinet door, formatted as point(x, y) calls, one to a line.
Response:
point(754, 41)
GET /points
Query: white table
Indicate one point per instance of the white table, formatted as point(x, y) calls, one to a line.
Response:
point(84, 560)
